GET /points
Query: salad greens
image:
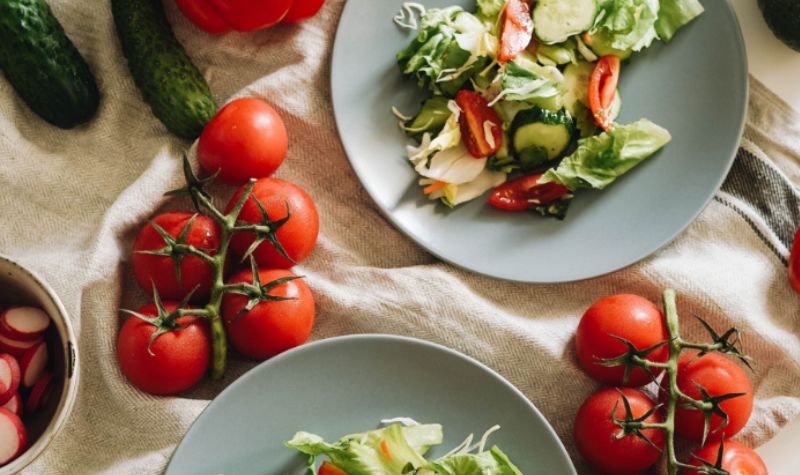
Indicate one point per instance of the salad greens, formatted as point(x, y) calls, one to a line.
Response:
point(400, 448)
point(541, 94)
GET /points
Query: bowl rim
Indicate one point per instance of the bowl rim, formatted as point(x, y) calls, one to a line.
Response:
point(69, 390)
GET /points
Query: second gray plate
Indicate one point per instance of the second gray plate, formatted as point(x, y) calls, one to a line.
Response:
point(695, 86)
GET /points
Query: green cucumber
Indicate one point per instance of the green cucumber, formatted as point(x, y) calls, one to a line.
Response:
point(431, 117)
point(176, 91)
point(556, 20)
point(43, 65)
point(539, 135)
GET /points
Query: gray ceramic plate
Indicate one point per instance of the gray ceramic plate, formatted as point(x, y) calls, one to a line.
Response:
point(348, 384)
point(696, 87)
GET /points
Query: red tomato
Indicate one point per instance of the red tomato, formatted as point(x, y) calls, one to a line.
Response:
point(525, 193)
point(631, 317)
point(476, 116)
point(176, 360)
point(328, 468)
point(595, 431)
point(250, 15)
point(718, 375)
point(302, 10)
point(271, 327)
point(297, 236)
point(517, 30)
point(204, 16)
point(204, 234)
point(794, 263)
point(246, 139)
point(603, 89)
point(737, 459)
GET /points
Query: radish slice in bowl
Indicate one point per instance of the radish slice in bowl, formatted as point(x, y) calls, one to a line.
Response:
point(40, 392)
point(9, 377)
point(33, 363)
point(17, 347)
point(14, 404)
point(13, 436)
point(24, 323)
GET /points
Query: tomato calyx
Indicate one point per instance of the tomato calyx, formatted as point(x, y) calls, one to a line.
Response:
point(195, 187)
point(632, 358)
point(256, 292)
point(632, 425)
point(265, 230)
point(714, 468)
point(165, 321)
point(728, 344)
point(710, 405)
point(176, 247)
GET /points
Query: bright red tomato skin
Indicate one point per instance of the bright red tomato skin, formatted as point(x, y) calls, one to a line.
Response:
point(475, 112)
point(594, 432)
point(628, 316)
point(302, 10)
point(298, 235)
point(737, 459)
point(525, 192)
point(159, 270)
point(245, 139)
point(204, 16)
point(328, 468)
point(718, 375)
point(603, 89)
point(270, 327)
point(251, 15)
point(180, 358)
point(794, 263)
point(517, 30)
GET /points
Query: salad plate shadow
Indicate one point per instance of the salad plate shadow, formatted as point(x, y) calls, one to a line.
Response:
point(695, 87)
point(347, 385)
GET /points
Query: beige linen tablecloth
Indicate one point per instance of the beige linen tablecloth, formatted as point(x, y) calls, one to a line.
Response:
point(71, 202)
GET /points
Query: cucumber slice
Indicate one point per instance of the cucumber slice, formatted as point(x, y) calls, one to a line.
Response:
point(601, 46)
point(536, 130)
point(556, 20)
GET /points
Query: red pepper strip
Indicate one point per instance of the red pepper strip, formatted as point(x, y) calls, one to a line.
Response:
point(204, 16)
point(475, 112)
point(328, 468)
point(385, 450)
point(525, 193)
point(603, 89)
point(251, 15)
point(517, 30)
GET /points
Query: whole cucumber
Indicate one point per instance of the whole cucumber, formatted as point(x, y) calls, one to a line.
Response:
point(176, 91)
point(43, 65)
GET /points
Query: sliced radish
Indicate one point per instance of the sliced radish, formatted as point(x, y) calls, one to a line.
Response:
point(14, 404)
point(24, 323)
point(17, 347)
point(32, 363)
point(39, 393)
point(13, 437)
point(9, 377)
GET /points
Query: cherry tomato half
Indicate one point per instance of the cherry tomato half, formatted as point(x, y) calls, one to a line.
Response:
point(477, 120)
point(526, 193)
point(603, 89)
point(517, 30)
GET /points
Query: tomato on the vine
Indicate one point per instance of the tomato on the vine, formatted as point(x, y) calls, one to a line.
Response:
point(595, 432)
point(245, 139)
point(173, 362)
point(297, 236)
point(794, 263)
point(159, 270)
point(631, 317)
point(272, 326)
point(717, 375)
point(737, 459)
point(302, 10)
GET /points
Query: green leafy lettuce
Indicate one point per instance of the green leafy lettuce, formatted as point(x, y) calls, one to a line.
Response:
point(674, 14)
point(601, 159)
point(625, 25)
point(523, 84)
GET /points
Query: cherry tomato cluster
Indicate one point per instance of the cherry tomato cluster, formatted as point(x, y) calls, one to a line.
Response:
point(221, 16)
point(235, 263)
point(622, 429)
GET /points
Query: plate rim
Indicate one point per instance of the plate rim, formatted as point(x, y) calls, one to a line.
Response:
point(376, 337)
point(744, 104)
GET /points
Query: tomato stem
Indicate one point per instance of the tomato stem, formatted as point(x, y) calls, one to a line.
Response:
point(673, 330)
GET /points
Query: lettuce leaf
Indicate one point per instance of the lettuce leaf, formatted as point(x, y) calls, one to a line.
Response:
point(674, 14)
point(524, 85)
point(601, 159)
point(626, 25)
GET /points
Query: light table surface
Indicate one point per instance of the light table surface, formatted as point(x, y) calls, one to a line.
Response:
point(778, 67)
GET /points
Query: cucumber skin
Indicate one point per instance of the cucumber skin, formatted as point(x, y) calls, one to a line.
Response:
point(170, 83)
point(44, 67)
